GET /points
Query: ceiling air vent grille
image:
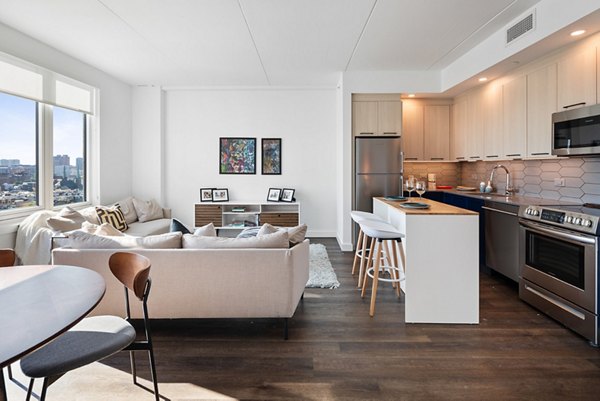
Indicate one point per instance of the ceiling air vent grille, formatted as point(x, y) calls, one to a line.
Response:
point(520, 28)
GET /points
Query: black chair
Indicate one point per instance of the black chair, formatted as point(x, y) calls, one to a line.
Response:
point(97, 337)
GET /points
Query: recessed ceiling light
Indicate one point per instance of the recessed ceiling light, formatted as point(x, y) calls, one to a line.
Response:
point(577, 33)
point(482, 79)
point(411, 95)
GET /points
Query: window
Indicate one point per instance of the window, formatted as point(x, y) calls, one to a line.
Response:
point(18, 152)
point(69, 137)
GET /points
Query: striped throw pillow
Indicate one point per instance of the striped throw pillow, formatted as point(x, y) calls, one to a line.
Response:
point(113, 216)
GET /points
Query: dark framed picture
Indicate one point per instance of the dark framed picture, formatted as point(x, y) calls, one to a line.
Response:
point(237, 155)
point(287, 195)
point(271, 156)
point(206, 194)
point(274, 194)
point(220, 195)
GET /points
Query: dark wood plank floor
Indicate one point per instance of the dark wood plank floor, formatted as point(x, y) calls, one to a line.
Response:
point(337, 352)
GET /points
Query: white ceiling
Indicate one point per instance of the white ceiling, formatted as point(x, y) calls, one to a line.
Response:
point(259, 42)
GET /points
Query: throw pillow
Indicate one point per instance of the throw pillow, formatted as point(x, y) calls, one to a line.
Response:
point(128, 210)
point(83, 240)
point(89, 228)
point(275, 240)
point(108, 230)
point(90, 214)
point(147, 210)
point(67, 219)
point(297, 234)
point(112, 216)
point(206, 231)
point(177, 225)
point(248, 232)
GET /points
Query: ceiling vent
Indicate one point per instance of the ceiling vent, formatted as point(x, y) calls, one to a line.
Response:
point(521, 27)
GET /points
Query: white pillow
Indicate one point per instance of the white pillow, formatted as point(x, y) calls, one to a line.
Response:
point(83, 240)
point(147, 210)
point(108, 230)
point(68, 219)
point(297, 234)
point(128, 210)
point(90, 214)
point(207, 230)
point(89, 228)
point(275, 240)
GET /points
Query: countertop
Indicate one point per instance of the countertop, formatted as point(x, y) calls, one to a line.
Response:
point(435, 208)
point(510, 200)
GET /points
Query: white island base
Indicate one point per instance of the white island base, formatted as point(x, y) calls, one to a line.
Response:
point(442, 261)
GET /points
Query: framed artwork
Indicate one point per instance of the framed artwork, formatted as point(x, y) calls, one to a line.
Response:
point(220, 195)
point(287, 195)
point(271, 156)
point(237, 155)
point(274, 194)
point(206, 194)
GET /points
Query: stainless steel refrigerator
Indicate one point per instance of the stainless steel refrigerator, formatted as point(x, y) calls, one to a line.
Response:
point(378, 169)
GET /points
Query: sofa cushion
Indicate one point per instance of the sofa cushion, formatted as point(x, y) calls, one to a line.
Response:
point(113, 216)
point(103, 229)
point(128, 209)
point(90, 215)
point(296, 234)
point(177, 225)
point(153, 227)
point(248, 232)
point(83, 240)
point(275, 240)
point(66, 220)
point(147, 210)
point(206, 231)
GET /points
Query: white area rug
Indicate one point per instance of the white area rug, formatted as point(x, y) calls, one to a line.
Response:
point(321, 274)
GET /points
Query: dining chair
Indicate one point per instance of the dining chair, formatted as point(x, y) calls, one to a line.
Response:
point(7, 258)
point(97, 337)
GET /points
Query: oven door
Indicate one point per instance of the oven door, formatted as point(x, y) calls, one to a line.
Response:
point(560, 261)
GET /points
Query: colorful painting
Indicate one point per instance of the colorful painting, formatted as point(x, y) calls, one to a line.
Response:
point(237, 156)
point(271, 156)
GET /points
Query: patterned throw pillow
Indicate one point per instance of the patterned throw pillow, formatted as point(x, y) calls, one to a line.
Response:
point(113, 216)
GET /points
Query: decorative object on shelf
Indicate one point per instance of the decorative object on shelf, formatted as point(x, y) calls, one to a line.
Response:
point(271, 156)
point(274, 194)
point(237, 155)
point(287, 195)
point(206, 194)
point(220, 195)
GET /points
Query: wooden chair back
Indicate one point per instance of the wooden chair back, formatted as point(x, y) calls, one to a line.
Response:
point(132, 270)
point(7, 257)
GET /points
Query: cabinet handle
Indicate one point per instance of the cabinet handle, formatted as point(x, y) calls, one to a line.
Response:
point(474, 157)
point(460, 158)
point(514, 155)
point(366, 133)
point(390, 133)
point(539, 153)
point(492, 156)
point(573, 105)
point(411, 158)
point(437, 158)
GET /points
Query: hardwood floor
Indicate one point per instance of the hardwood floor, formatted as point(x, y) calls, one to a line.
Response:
point(337, 352)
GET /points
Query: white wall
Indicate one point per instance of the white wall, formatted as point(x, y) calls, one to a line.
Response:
point(113, 149)
point(305, 119)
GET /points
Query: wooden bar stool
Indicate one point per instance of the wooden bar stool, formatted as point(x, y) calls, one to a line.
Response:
point(381, 234)
point(362, 249)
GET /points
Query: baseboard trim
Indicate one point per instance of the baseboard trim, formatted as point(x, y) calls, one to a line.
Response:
point(345, 247)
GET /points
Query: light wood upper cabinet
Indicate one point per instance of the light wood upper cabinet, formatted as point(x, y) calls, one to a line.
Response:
point(541, 103)
point(459, 132)
point(514, 106)
point(493, 134)
point(577, 79)
point(412, 130)
point(436, 132)
point(389, 117)
point(364, 118)
point(474, 138)
point(376, 117)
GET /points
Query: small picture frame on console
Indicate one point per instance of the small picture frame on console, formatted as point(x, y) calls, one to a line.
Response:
point(220, 195)
point(287, 195)
point(274, 194)
point(206, 194)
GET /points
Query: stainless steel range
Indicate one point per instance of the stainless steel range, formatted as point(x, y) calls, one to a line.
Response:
point(558, 255)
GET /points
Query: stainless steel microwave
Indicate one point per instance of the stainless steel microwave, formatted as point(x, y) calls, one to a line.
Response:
point(576, 132)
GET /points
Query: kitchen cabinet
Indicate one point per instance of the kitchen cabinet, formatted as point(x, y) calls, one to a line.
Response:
point(436, 132)
point(371, 116)
point(493, 135)
point(364, 118)
point(474, 132)
point(541, 103)
point(577, 79)
point(412, 130)
point(389, 117)
point(514, 109)
point(459, 132)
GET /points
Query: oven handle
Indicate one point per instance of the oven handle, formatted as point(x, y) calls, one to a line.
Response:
point(558, 234)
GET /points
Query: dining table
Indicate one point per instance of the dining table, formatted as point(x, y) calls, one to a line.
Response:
point(39, 303)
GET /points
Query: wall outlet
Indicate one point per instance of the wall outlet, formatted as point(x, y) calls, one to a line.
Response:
point(559, 182)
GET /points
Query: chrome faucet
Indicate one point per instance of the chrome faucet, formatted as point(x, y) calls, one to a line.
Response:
point(509, 189)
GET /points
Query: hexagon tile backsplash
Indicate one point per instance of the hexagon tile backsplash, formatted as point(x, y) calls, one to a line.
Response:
point(534, 178)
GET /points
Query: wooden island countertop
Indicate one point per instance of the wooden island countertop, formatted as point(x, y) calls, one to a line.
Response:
point(434, 207)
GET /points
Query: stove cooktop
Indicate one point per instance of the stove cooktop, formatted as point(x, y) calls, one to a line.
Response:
point(583, 218)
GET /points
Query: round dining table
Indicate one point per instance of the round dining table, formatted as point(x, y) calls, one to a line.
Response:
point(38, 303)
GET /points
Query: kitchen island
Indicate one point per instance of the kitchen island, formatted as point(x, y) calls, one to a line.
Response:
point(442, 260)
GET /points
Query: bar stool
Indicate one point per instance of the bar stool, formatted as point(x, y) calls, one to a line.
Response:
point(362, 252)
point(381, 234)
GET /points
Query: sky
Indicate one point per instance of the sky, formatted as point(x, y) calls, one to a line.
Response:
point(17, 130)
